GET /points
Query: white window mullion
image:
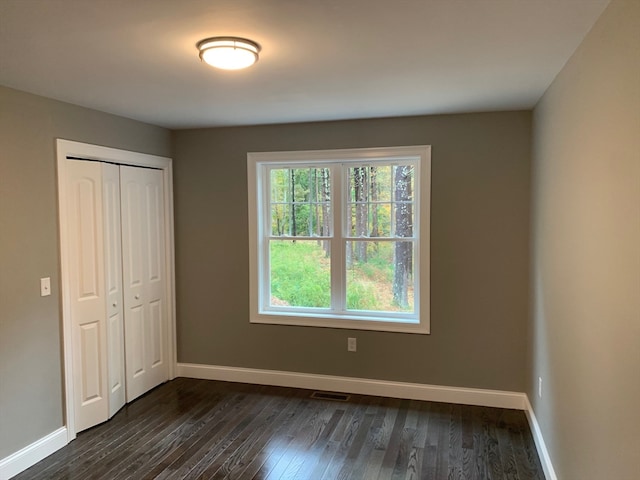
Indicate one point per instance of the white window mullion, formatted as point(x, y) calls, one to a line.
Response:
point(338, 274)
point(392, 197)
point(264, 227)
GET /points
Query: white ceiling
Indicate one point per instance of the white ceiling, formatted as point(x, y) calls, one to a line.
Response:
point(320, 59)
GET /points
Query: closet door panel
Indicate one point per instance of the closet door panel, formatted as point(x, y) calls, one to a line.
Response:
point(117, 392)
point(156, 324)
point(136, 342)
point(91, 361)
point(87, 292)
point(133, 260)
point(113, 285)
point(155, 275)
point(144, 279)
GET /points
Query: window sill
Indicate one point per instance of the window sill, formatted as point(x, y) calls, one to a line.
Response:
point(351, 323)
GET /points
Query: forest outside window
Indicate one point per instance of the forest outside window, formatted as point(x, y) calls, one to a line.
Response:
point(340, 238)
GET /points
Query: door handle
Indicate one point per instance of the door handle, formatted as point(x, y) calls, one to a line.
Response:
point(137, 296)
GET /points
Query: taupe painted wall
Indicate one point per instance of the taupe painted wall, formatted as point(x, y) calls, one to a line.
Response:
point(479, 253)
point(31, 389)
point(586, 255)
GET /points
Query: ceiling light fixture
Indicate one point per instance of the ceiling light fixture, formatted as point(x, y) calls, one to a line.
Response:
point(228, 53)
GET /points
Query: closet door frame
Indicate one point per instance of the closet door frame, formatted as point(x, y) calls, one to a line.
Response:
point(71, 149)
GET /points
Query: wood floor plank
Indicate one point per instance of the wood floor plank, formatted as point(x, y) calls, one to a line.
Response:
point(430, 452)
point(480, 456)
point(349, 431)
point(367, 456)
point(157, 447)
point(422, 426)
point(214, 441)
point(507, 454)
point(110, 464)
point(527, 460)
point(250, 441)
point(174, 446)
point(393, 446)
point(199, 429)
point(197, 436)
point(279, 454)
point(100, 436)
point(253, 420)
point(357, 446)
point(319, 447)
point(444, 444)
point(271, 441)
point(310, 440)
point(332, 457)
point(186, 455)
point(304, 435)
point(95, 462)
point(403, 459)
point(456, 457)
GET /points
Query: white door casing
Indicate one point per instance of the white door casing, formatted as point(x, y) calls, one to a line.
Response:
point(104, 393)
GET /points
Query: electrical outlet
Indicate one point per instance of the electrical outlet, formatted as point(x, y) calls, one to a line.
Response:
point(540, 387)
point(352, 345)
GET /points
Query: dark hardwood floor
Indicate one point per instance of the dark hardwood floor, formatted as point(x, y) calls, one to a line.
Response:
point(200, 429)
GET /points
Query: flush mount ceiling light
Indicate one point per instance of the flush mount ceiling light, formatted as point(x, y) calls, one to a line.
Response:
point(228, 53)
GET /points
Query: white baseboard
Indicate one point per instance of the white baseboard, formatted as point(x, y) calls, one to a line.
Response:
point(365, 386)
point(32, 454)
point(543, 453)
point(42, 448)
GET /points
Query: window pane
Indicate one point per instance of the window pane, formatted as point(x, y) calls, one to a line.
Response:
point(381, 220)
point(279, 182)
point(382, 179)
point(381, 201)
point(403, 212)
point(299, 201)
point(280, 219)
point(373, 220)
point(403, 179)
point(380, 276)
point(403, 220)
point(360, 193)
point(321, 220)
point(300, 273)
point(359, 181)
point(359, 220)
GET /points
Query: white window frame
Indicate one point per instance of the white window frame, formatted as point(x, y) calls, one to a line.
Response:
point(260, 163)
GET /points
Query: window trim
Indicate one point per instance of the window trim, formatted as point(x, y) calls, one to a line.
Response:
point(389, 322)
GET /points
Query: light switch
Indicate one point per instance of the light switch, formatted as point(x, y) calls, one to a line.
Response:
point(45, 286)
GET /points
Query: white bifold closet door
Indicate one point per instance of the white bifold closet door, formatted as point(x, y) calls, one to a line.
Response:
point(118, 284)
point(113, 286)
point(143, 254)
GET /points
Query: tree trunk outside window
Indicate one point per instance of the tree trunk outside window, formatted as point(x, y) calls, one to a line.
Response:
point(404, 228)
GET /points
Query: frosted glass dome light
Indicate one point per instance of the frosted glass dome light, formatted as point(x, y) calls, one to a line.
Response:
point(228, 53)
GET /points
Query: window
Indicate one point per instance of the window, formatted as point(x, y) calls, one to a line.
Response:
point(340, 238)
